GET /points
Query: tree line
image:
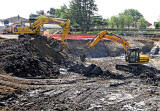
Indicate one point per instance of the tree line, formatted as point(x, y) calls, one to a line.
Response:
point(128, 18)
point(82, 16)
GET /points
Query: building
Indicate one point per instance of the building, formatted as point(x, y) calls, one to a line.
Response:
point(11, 20)
point(16, 19)
point(149, 25)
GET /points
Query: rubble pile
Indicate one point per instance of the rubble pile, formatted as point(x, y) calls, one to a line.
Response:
point(150, 75)
point(94, 71)
point(91, 70)
point(40, 57)
point(37, 57)
point(24, 66)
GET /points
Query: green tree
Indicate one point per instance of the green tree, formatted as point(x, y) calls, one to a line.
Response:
point(157, 25)
point(116, 21)
point(121, 20)
point(82, 12)
point(134, 13)
point(63, 12)
point(128, 19)
point(141, 23)
point(107, 23)
point(112, 22)
point(98, 21)
point(125, 19)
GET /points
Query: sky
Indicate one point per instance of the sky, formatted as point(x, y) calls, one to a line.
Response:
point(106, 8)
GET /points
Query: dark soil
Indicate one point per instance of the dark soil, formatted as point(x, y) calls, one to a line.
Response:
point(36, 57)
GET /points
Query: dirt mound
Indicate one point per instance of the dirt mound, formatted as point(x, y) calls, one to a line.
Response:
point(24, 66)
point(91, 70)
point(36, 57)
point(147, 74)
point(94, 71)
point(40, 57)
point(150, 75)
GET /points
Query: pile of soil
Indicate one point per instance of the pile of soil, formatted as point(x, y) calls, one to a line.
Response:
point(150, 75)
point(91, 70)
point(35, 57)
point(94, 71)
point(147, 74)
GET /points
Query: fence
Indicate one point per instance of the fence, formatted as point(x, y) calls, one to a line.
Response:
point(118, 29)
point(124, 31)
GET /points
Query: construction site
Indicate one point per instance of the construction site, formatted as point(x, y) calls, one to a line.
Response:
point(62, 71)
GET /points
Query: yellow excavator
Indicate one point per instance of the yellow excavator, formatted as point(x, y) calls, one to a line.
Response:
point(132, 55)
point(8, 29)
point(34, 27)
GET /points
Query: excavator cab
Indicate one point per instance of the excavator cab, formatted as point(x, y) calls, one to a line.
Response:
point(133, 55)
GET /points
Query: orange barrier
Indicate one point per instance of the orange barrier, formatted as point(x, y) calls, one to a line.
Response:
point(73, 36)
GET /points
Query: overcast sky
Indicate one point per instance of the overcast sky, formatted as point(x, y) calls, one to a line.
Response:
point(149, 8)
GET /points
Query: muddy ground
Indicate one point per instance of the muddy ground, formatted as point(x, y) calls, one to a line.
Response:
point(106, 90)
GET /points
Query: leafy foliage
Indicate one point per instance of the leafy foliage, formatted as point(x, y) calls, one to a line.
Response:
point(157, 25)
point(82, 12)
point(141, 23)
point(134, 13)
point(63, 12)
point(122, 20)
point(128, 20)
point(125, 19)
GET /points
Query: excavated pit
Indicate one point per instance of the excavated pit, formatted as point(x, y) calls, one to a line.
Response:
point(102, 49)
point(105, 48)
point(94, 85)
point(38, 57)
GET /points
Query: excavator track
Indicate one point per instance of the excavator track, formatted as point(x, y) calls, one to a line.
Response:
point(138, 69)
point(127, 68)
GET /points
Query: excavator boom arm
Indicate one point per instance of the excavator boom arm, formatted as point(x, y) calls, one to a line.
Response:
point(111, 37)
point(65, 24)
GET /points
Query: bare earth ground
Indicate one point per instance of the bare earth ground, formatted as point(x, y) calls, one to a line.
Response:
point(75, 92)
